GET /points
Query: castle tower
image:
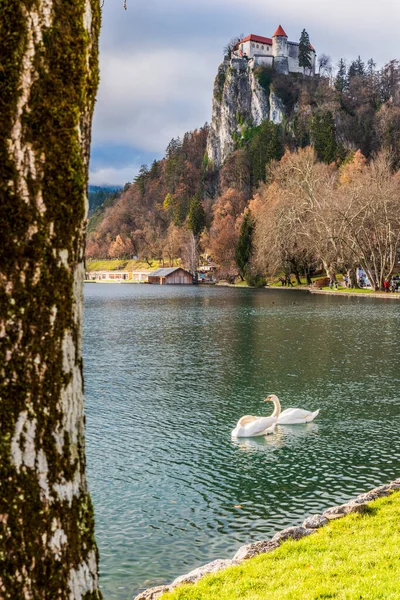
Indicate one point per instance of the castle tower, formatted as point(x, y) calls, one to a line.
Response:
point(280, 51)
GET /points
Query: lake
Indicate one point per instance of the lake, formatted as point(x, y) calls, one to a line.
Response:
point(168, 372)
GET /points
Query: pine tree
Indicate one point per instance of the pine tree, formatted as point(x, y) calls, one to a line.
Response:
point(265, 146)
point(371, 64)
point(196, 217)
point(341, 77)
point(305, 51)
point(356, 69)
point(360, 67)
point(323, 132)
point(244, 248)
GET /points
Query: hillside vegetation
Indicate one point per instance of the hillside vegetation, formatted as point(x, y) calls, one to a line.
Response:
point(332, 132)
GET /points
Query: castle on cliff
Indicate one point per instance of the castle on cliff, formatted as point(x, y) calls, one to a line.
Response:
point(276, 52)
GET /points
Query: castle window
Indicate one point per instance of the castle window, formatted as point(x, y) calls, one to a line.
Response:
point(252, 45)
point(267, 47)
point(258, 46)
point(262, 47)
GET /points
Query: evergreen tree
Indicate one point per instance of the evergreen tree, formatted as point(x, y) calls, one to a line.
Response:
point(196, 217)
point(323, 132)
point(360, 67)
point(244, 247)
point(265, 146)
point(356, 69)
point(305, 51)
point(140, 178)
point(341, 77)
point(371, 64)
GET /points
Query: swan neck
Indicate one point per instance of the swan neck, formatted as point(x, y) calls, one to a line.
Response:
point(277, 407)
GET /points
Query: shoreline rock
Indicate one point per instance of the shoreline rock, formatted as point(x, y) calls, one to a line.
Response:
point(309, 526)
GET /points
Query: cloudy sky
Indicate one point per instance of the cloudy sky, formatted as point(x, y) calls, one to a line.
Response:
point(159, 58)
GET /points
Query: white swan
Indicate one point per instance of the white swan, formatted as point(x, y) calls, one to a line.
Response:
point(249, 426)
point(290, 416)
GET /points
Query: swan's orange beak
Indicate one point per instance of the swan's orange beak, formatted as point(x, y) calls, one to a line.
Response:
point(268, 399)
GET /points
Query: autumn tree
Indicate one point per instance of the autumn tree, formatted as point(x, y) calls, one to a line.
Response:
point(302, 188)
point(119, 248)
point(224, 231)
point(367, 203)
point(48, 83)
point(278, 245)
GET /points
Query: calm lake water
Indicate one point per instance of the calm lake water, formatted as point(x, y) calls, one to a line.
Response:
point(168, 372)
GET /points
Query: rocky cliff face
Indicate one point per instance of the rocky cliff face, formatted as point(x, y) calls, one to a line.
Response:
point(239, 101)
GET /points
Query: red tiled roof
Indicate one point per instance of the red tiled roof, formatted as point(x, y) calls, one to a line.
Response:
point(257, 38)
point(280, 32)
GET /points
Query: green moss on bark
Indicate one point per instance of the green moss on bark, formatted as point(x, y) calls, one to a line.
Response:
point(37, 303)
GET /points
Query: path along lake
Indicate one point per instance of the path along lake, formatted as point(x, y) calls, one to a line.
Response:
point(168, 372)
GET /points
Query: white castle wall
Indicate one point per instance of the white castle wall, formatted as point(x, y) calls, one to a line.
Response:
point(258, 60)
point(283, 55)
point(250, 49)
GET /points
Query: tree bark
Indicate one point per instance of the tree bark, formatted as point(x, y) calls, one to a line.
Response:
point(307, 275)
point(330, 270)
point(48, 83)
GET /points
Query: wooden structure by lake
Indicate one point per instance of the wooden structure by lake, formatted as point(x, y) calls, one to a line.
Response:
point(136, 276)
point(171, 276)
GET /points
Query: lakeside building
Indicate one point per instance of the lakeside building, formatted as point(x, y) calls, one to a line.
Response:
point(276, 52)
point(171, 276)
point(136, 276)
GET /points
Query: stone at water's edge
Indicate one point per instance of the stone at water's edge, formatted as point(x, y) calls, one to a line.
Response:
point(292, 533)
point(254, 549)
point(192, 577)
point(196, 574)
point(315, 522)
point(153, 593)
point(337, 512)
point(309, 526)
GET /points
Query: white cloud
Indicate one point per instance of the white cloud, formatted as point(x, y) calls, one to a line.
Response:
point(147, 101)
point(113, 176)
point(158, 59)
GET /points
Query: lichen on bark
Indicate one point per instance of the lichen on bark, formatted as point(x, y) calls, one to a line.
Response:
point(48, 83)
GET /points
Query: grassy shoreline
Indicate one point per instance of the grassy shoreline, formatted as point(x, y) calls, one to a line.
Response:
point(356, 557)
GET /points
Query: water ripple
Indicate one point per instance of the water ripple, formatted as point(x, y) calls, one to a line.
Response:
point(168, 371)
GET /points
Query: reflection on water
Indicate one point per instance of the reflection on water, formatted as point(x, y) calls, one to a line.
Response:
point(282, 436)
point(170, 370)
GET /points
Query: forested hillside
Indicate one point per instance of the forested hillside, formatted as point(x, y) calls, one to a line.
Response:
point(182, 205)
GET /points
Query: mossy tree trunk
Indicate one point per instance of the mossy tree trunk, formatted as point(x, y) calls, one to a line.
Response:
point(48, 83)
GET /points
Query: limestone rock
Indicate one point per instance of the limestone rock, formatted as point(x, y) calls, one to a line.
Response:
point(395, 485)
point(196, 574)
point(315, 522)
point(293, 533)
point(238, 101)
point(250, 550)
point(153, 593)
point(336, 512)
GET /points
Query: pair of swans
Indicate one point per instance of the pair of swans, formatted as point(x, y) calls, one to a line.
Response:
point(249, 426)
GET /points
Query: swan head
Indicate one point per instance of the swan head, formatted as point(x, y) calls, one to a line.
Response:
point(271, 398)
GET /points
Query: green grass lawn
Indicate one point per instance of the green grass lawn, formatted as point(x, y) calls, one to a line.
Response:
point(353, 290)
point(123, 265)
point(354, 558)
